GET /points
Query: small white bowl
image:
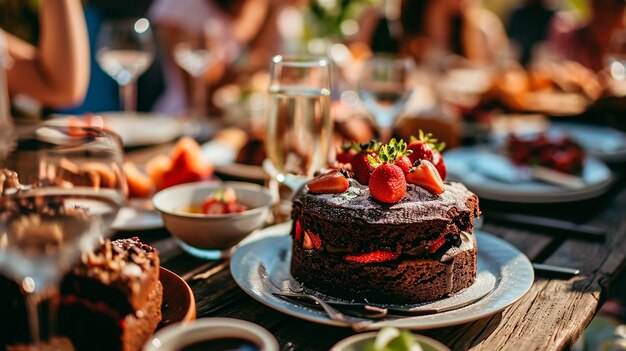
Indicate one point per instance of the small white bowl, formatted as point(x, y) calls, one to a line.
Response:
point(358, 342)
point(177, 336)
point(211, 232)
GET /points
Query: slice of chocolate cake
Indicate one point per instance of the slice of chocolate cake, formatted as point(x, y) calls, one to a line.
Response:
point(349, 245)
point(112, 300)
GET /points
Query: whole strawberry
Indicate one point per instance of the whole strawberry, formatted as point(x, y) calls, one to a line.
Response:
point(387, 183)
point(425, 147)
point(360, 163)
point(440, 165)
point(345, 154)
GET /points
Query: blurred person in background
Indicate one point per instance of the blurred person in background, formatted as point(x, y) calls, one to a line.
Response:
point(464, 28)
point(588, 43)
point(56, 71)
point(240, 24)
point(528, 25)
point(103, 92)
point(432, 28)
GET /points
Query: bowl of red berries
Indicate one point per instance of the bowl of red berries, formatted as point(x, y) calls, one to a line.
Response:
point(212, 215)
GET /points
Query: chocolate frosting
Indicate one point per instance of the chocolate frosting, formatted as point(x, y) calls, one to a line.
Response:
point(417, 205)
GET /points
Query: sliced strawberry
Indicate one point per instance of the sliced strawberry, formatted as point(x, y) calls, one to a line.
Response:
point(437, 244)
point(298, 231)
point(311, 241)
point(332, 182)
point(372, 257)
point(404, 163)
point(234, 207)
point(387, 183)
point(213, 207)
point(426, 176)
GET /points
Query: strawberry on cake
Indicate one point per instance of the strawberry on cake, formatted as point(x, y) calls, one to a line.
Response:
point(398, 234)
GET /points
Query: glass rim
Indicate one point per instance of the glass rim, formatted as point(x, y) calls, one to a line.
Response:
point(300, 61)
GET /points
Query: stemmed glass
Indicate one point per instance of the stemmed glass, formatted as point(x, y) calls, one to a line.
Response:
point(298, 125)
point(195, 53)
point(125, 50)
point(616, 61)
point(73, 188)
point(384, 87)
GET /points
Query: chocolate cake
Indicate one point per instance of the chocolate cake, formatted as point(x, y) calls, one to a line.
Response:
point(112, 300)
point(349, 245)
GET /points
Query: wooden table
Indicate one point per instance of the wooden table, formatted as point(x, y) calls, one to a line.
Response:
point(551, 316)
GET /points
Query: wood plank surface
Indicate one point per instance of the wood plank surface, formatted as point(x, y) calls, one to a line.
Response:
point(551, 316)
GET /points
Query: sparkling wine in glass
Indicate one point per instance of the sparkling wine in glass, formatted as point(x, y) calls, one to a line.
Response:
point(125, 50)
point(384, 87)
point(299, 125)
point(60, 189)
point(195, 53)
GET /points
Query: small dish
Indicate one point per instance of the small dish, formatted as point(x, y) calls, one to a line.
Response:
point(208, 236)
point(358, 342)
point(179, 304)
point(179, 336)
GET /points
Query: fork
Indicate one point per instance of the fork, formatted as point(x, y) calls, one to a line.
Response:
point(335, 315)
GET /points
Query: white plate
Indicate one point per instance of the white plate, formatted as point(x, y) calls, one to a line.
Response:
point(605, 143)
point(140, 129)
point(462, 166)
point(512, 269)
point(138, 215)
point(222, 156)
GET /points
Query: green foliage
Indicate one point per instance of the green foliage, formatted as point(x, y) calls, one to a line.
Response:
point(392, 151)
point(325, 16)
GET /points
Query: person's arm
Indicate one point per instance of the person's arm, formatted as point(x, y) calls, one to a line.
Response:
point(250, 20)
point(57, 72)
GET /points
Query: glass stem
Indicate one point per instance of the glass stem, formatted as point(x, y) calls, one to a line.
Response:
point(128, 96)
point(32, 309)
point(385, 133)
point(41, 311)
point(199, 97)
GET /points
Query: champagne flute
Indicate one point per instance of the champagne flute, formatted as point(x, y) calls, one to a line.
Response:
point(75, 187)
point(298, 125)
point(384, 87)
point(125, 50)
point(195, 54)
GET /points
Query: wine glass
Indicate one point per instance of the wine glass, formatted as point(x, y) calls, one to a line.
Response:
point(384, 87)
point(73, 187)
point(298, 125)
point(194, 54)
point(616, 62)
point(125, 50)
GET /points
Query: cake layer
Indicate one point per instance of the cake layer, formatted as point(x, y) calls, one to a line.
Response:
point(122, 273)
point(403, 280)
point(354, 222)
point(96, 326)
